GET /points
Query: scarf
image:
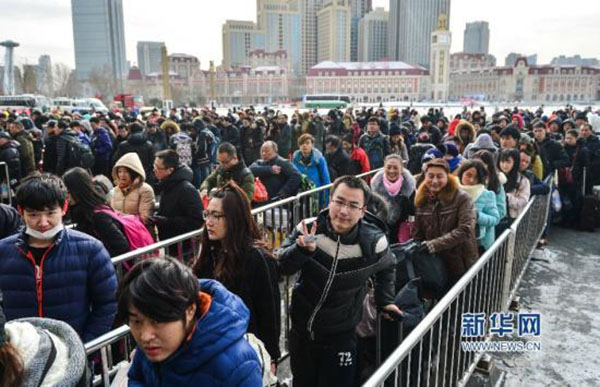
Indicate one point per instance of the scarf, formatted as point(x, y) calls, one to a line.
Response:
point(474, 191)
point(393, 188)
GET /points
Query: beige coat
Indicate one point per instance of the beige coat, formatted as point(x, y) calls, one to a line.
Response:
point(139, 198)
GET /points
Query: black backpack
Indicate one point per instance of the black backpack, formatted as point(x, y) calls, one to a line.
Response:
point(80, 155)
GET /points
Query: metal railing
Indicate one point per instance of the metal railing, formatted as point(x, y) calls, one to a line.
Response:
point(277, 220)
point(5, 188)
point(432, 354)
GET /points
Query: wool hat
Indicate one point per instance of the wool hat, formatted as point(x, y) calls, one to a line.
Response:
point(437, 162)
point(432, 154)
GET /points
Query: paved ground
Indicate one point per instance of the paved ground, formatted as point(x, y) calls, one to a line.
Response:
point(563, 284)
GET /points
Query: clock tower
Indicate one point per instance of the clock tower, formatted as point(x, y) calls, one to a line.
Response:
point(439, 69)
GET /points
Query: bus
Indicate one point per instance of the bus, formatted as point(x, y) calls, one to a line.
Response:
point(25, 103)
point(325, 101)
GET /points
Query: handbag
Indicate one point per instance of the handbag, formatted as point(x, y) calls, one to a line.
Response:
point(366, 326)
point(260, 192)
point(405, 231)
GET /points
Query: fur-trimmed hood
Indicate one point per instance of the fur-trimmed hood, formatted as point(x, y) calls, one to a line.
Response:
point(463, 124)
point(446, 195)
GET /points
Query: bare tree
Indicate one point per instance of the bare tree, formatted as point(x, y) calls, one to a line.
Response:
point(64, 81)
point(101, 79)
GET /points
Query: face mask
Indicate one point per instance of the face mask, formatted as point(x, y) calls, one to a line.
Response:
point(50, 234)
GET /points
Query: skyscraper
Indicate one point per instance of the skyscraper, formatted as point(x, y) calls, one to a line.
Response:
point(358, 9)
point(279, 21)
point(477, 38)
point(240, 37)
point(373, 36)
point(308, 16)
point(149, 56)
point(410, 27)
point(43, 75)
point(99, 36)
point(333, 31)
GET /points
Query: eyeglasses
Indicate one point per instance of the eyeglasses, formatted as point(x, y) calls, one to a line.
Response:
point(156, 167)
point(341, 204)
point(216, 216)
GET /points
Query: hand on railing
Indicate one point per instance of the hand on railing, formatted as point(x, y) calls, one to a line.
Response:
point(391, 312)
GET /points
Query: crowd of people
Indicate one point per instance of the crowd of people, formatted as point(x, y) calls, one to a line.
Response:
point(125, 180)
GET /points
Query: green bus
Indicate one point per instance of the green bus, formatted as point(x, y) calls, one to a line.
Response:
point(325, 101)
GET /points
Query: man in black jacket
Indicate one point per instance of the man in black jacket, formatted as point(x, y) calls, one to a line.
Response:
point(335, 256)
point(552, 153)
point(280, 177)
point(9, 153)
point(180, 205)
point(338, 161)
point(592, 143)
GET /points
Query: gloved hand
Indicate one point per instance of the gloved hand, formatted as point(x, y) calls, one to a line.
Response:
point(159, 220)
point(424, 247)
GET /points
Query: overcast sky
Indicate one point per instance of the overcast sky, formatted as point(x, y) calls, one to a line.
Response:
point(546, 27)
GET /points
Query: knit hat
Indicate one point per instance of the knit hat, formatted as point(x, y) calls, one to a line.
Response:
point(484, 141)
point(432, 154)
point(437, 162)
point(451, 149)
point(526, 139)
point(395, 129)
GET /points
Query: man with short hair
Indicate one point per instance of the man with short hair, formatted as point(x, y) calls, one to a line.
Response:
point(138, 143)
point(592, 143)
point(280, 177)
point(552, 152)
point(509, 138)
point(180, 205)
point(25, 141)
point(230, 168)
point(343, 246)
point(338, 161)
point(375, 144)
point(51, 271)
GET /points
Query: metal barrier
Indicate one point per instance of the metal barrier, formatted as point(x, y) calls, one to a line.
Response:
point(5, 188)
point(432, 353)
point(277, 220)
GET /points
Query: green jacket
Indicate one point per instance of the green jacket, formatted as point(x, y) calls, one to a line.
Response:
point(239, 173)
point(26, 152)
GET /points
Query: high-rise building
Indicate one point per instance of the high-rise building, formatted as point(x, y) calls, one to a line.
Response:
point(358, 9)
point(44, 81)
point(441, 39)
point(333, 31)
point(477, 38)
point(279, 21)
point(373, 36)
point(511, 59)
point(410, 27)
point(149, 56)
point(308, 17)
point(240, 37)
point(575, 60)
point(99, 35)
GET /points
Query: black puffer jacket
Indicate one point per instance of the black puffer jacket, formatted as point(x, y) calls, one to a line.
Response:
point(10, 221)
point(339, 163)
point(9, 153)
point(553, 156)
point(341, 264)
point(180, 203)
point(138, 143)
point(279, 185)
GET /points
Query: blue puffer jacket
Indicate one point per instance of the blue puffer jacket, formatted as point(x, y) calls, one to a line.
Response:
point(316, 170)
point(487, 218)
point(216, 355)
point(77, 282)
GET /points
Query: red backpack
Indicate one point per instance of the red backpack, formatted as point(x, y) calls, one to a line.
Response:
point(135, 231)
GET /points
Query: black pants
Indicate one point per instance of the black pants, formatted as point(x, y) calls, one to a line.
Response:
point(318, 364)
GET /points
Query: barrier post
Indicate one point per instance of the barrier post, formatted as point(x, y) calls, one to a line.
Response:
point(510, 258)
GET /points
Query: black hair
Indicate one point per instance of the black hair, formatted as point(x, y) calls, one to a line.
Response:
point(228, 149)
point(161, 289)
point(348, 138)
point(169, 157)
point(94, 120)
point(41, 191)
point(333, 140)
point(572, 132)
point(81, 187)
point(62, 124)
point(135, 127)
point(480, 169)
point(354, 183)
point(513, 175)
point(493, 183)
